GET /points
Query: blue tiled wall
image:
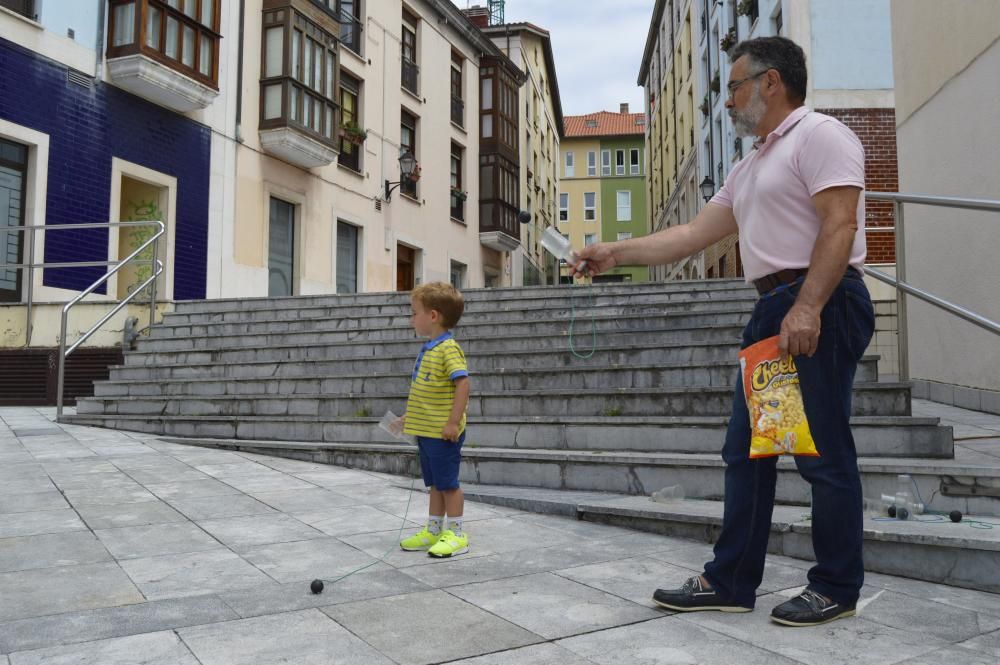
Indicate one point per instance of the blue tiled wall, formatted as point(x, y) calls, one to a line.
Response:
point(86, 128)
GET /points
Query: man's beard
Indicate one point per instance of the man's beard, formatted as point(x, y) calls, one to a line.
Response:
point(745, 122)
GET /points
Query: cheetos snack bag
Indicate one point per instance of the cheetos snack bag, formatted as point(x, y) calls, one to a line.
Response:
point(777, 416)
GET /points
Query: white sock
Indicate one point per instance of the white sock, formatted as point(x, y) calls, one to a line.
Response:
point(455, 524)
point(434, 524)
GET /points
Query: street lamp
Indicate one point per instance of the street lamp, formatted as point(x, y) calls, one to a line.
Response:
point(707, 188)
point(407, 165)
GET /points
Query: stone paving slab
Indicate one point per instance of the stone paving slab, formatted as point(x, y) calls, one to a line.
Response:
point(213, 567)
point(110, 516)
point(31, 501)
point(398, 626)
point(29, 593)
point(304, 638)
point(553, 606)
point(55, 549)
point(163, 648)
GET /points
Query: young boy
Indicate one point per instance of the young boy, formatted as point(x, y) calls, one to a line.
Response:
point(435, 414)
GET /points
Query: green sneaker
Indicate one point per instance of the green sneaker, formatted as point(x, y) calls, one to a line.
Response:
point(449, 544)
point(420, 541)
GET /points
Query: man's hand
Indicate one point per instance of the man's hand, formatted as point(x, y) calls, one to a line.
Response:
point(599, 258)
point(450, 431)
point(800, 331)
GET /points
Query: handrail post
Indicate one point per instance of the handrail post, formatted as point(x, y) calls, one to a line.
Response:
point(31, 283)
point(152, 287)
point(902, 331)
point(62, 365)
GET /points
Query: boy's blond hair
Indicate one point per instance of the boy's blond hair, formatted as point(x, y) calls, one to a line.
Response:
point(442, 297)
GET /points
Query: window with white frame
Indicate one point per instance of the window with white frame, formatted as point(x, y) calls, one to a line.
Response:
point(605, 162)
point(589, 206)
point(634, 161)
point(619, 162)
point(624, 235)
point(591, 163)
point(568, 173)
point(589, 239)
point(624, 206)
point(563, 207)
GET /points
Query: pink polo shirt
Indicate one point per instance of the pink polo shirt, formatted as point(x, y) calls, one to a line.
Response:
point(770, 191)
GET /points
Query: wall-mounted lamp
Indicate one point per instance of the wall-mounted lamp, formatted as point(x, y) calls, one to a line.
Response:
point(407, 165)
point(707, 188)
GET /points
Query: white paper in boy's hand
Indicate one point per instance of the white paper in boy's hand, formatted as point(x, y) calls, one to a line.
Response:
point(393, 424)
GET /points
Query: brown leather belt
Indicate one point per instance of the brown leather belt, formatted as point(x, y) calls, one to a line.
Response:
point(776, 279)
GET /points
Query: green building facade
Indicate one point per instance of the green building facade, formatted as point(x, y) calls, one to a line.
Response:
point(623, 198)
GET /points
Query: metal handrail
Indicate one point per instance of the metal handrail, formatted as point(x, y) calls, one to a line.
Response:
point(903, 288)
point(151, 282)
point(32, 264)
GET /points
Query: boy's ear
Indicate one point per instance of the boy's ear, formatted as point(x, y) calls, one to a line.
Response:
point(435, 315)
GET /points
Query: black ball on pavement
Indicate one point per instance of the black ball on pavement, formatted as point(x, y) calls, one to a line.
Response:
point(955, 516)
point(902, 514)
point(892, 511)
point(316, 586)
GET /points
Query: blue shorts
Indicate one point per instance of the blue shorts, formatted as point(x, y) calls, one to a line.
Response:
point(440, 461)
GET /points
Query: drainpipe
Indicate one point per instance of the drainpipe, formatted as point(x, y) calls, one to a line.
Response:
point(239, 76)
point(99, 60)
point(673, 79)
point(711, 119)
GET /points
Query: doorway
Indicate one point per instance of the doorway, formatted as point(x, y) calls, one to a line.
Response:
point(281, 249)
point(13, 167)
point(141, 201)
point(406, 263)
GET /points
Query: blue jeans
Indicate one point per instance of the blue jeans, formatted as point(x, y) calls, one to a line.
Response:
point(826, 379)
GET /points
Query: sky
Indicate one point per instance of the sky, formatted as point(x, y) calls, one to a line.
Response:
point(597, 47)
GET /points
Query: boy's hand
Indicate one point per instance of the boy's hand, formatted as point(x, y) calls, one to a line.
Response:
point(450, 432)
point(397, 425)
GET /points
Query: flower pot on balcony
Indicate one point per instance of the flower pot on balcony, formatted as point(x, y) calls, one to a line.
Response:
point(729, 40)
point(353, 134)
point(459, 195)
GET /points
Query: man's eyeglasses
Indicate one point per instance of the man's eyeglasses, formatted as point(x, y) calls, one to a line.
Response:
point(733, 86)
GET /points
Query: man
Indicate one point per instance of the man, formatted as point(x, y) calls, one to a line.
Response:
point(795, 202)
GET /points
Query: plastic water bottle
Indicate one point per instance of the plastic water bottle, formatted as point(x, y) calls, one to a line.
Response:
point(906, 505)
point(668, 494)
point(558, 245)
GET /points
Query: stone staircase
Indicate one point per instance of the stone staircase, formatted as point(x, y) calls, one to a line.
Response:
point(309, 378)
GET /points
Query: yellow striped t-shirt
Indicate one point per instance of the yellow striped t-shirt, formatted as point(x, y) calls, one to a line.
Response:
point(432, 387)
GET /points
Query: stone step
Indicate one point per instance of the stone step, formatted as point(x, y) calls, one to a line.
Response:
point(356, 331)
point(565, 305)
point(679, 342)
point(930, 548)
point(471, 296)
point(870, 399)
point(877, 436)
point(605, 356)
point(945, 485)
point(291, 323)
point(392, 380)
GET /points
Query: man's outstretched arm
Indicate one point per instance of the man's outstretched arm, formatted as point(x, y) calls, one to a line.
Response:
point(711, 225)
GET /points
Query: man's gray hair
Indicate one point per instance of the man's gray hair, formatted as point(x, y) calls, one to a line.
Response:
point(778, 53)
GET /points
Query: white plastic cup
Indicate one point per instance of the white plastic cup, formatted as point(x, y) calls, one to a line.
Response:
point(392, 424)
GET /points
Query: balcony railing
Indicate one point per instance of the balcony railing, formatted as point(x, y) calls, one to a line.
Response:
point(411, 74)
point(458, 111)
point(350, 31)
